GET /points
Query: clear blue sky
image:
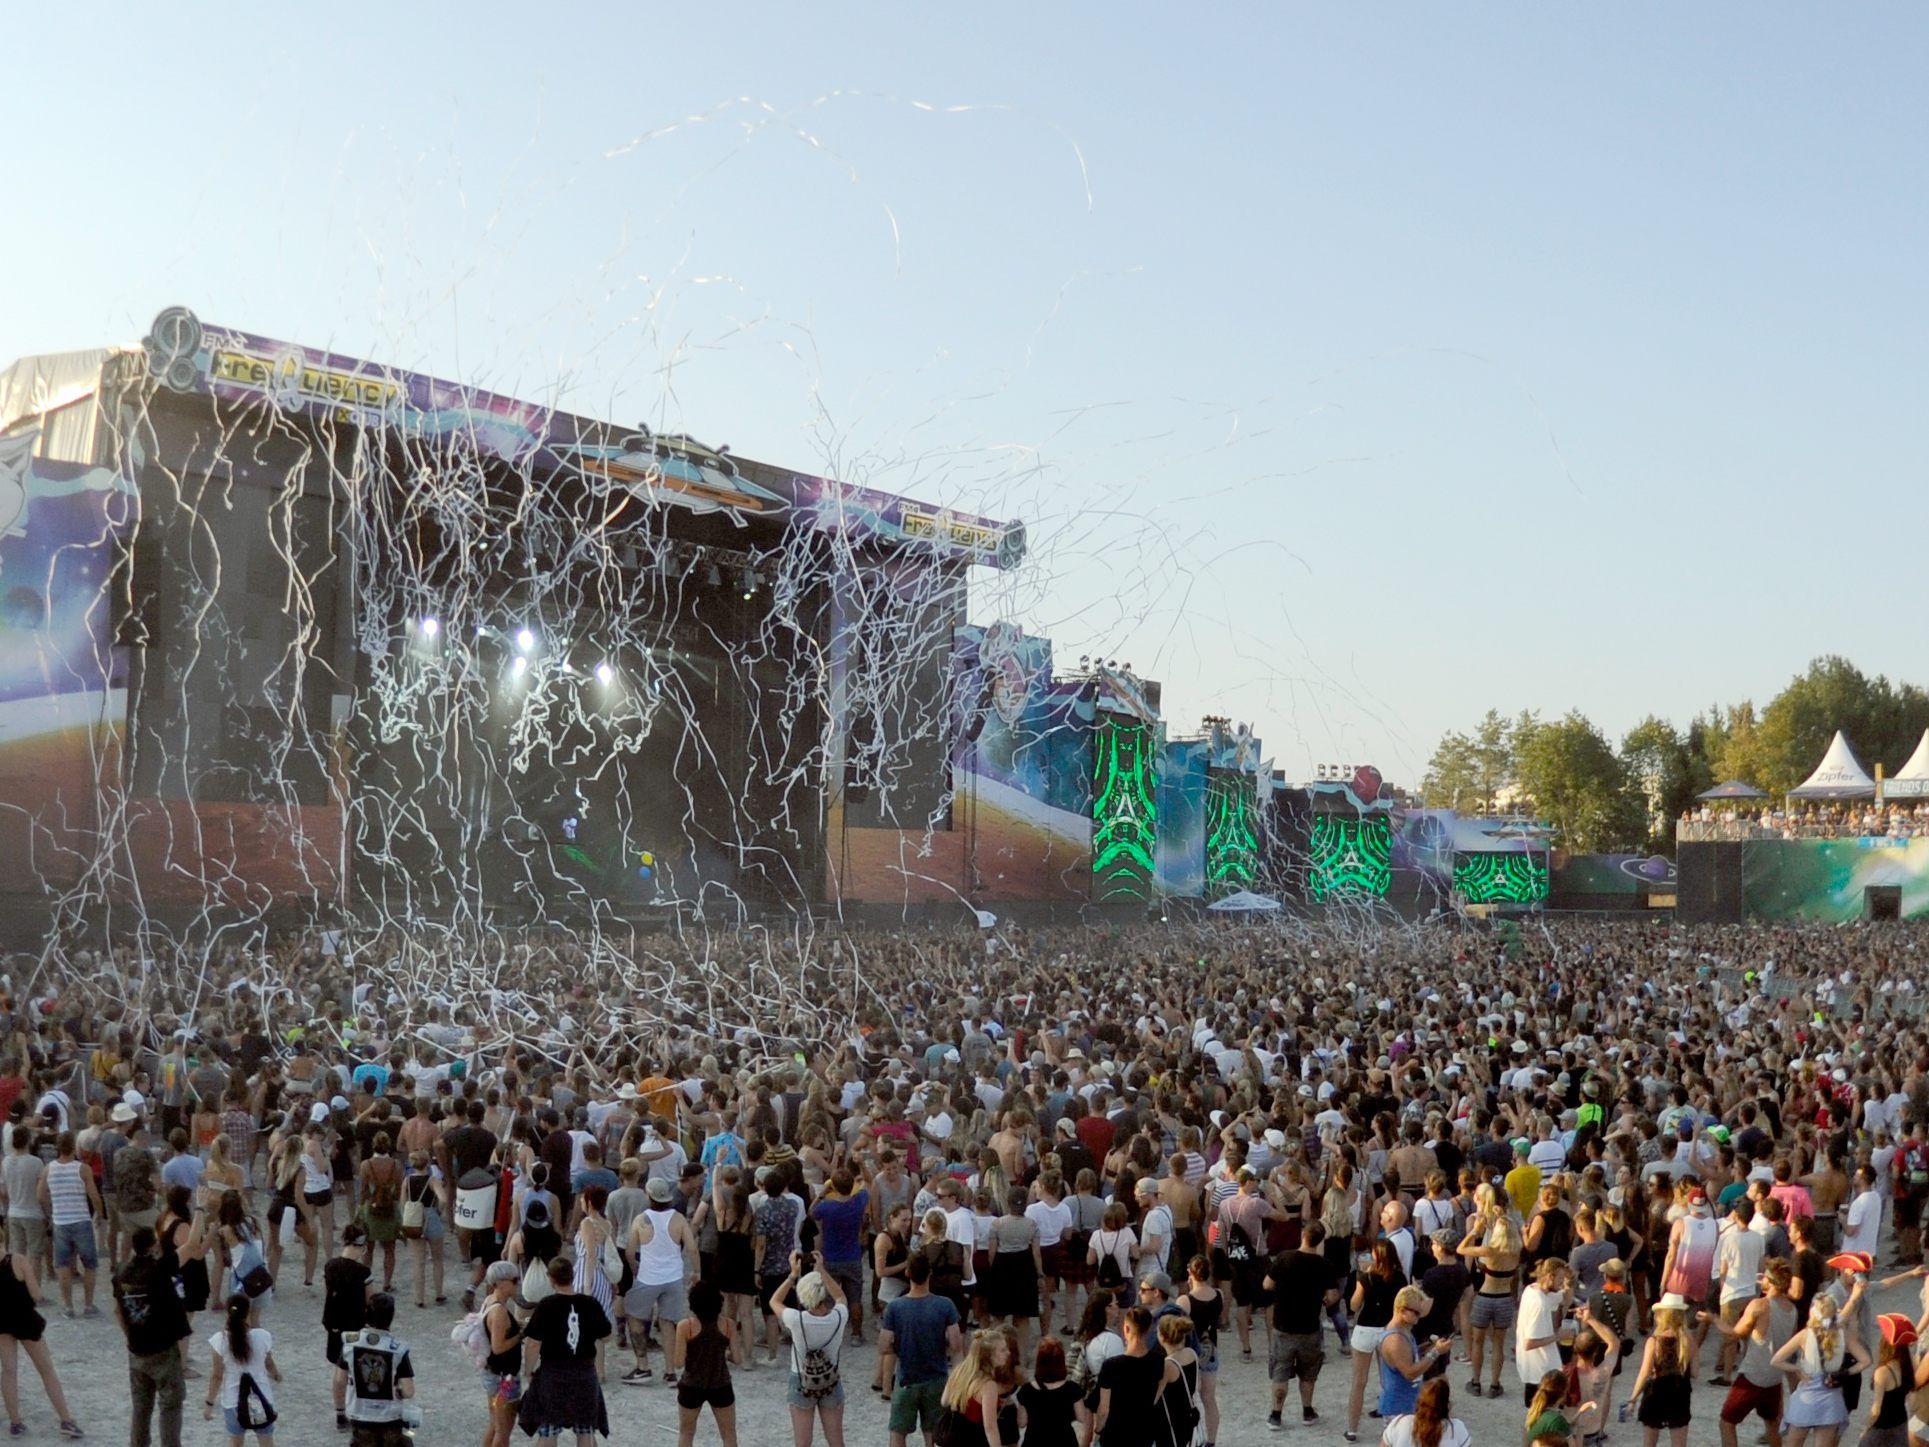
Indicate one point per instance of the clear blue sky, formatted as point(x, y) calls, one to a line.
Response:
point(1354, 372)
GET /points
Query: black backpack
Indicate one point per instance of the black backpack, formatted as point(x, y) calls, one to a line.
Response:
point(252, 1409)
point(1111, 1277)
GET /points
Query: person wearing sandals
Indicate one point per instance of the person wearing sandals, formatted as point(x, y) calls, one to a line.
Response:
point(21, 1329)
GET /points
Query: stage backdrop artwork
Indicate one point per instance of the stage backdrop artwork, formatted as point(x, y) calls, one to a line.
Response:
point(1025, 781)
point(1349, 855)
point(1232, 832)
point(1182, 819)
point(1607, 875)
point(1501, 878)
point(63, 698)
point(1829, 879)
point(1124, 809)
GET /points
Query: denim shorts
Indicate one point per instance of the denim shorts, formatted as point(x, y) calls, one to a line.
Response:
point(796, 1398)
point(501, 1388)
point(75, 1238)
point(232, 1419)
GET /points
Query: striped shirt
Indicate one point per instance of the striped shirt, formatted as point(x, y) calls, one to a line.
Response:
point(67, 1190)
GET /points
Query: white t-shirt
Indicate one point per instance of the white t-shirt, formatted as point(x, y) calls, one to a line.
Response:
point(1399, 1433)
point(1864, 1224)
point(1052, 1221)
point(1101, 1349)
point(1548, 1155)
point(1537, 1321)
point(1120, 1244)
point(961, 1226)
point(820, 1333)
point(260, 1343)
point(1157, 1224)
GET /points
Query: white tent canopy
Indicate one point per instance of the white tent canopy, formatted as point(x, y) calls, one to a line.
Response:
point(1838, 776)
point(1244, 902)
point(1911, 781)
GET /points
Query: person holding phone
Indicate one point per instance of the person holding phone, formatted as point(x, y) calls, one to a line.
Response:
point(1403, 1362)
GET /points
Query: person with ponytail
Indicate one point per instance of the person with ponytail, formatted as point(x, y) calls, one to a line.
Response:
point(1431, 1423)
point(1824, 1352)
point(241, 1380)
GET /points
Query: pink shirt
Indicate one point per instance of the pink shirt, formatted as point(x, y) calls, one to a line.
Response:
point(1795, 1200)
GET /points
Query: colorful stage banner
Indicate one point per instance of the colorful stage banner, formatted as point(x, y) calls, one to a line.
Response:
point(1182, 819)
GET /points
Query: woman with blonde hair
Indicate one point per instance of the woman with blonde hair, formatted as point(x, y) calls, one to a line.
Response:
point(1492, 1248)
point(816, 1325)
point(979, 1390)
point(223, 1172)
point(1662, 1385)
point(1818, 1353)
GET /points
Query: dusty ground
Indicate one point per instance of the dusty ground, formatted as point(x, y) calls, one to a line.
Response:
point(91, 1361)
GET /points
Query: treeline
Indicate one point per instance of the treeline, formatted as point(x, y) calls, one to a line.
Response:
point(1599, 797)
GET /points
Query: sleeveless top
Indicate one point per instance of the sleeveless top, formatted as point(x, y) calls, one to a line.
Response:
point(1694, 1260)
point(659, 1260)
point(1755, 1355)
point(706, 1359)
point(1397, 1394)
point(508, 1361)
point(1894, 1411)
point(1206, 1316)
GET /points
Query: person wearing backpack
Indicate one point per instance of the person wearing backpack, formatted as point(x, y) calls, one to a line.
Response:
point(242, 1379)
point(1113, 1251)
point(379, 1375)
point(381, 1187)
point(347, 1285)
point(155, 1323)
point(816, 1326)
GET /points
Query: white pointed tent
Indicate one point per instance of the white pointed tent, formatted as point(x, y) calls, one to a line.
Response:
point(1911, 781)
point(1838, 776)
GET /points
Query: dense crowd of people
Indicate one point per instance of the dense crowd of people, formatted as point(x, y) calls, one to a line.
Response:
point(1068, 1182)
point(1894, 819)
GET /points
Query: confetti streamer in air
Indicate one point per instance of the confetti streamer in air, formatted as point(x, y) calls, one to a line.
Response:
point(303, 639)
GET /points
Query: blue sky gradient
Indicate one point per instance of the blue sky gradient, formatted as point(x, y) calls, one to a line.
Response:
point(1353, 371)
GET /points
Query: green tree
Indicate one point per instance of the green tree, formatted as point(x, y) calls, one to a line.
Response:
point(1881, 722)
point(1738, 750)
point(1452, 777)
point(1662, 776)
point(1578, 784)
point(1471, 772)
point(1493, 757)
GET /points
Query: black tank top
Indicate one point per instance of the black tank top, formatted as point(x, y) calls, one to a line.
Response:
point(508, 1361)
point(706, 1363)
point(16, 1306)
point(1894, 1410)
point(1206, 1316)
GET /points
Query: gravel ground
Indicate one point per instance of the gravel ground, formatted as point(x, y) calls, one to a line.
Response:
point(91, 1361)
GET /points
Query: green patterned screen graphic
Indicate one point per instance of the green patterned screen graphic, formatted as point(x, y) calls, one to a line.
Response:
point(1125, 824)
point(1500, 878)
point(1232, 832)
point(1350, 856)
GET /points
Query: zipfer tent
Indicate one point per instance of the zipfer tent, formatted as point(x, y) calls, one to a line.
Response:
point(1838, 776)
point(1911, 781)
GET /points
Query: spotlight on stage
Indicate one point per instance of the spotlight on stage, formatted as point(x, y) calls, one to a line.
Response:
point(605, 675)
point(431, 627)
point(519, 667)
point(713, 576)
point(750, 582)
point(525, 641)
